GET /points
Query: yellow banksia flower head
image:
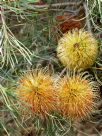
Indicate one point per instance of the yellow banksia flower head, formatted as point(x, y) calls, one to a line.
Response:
point(77, 49)
point(77, 96)
point(36, 89)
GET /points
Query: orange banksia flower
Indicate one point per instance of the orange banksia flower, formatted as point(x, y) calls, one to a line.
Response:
point(36, 89)
point(77, 49)
point(77, 96)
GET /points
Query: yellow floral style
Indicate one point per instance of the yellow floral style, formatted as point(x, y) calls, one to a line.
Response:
point(77, 49)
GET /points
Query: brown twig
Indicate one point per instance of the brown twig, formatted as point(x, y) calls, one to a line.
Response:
point(87, 17)
point(56, 5)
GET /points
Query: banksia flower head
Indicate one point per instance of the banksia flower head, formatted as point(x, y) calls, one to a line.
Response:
point(36, 89)
point(77, 49)
point(76, 96)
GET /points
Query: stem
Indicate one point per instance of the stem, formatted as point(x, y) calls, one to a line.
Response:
point(71, 132)
point(54, 5)
point(87, 17)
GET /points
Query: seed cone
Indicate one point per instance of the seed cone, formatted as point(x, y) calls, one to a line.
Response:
point(68, 22)
point(76, 96)
point(36, 89)
point(77, 49)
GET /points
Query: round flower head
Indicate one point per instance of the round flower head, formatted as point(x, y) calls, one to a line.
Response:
point(76, 96)
point(36, 89)
point(77, 49)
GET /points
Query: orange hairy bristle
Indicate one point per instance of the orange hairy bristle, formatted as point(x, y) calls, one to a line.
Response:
point(37, 90)
point(76, 96)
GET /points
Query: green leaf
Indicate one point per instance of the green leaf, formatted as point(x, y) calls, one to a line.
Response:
point(33, 1)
